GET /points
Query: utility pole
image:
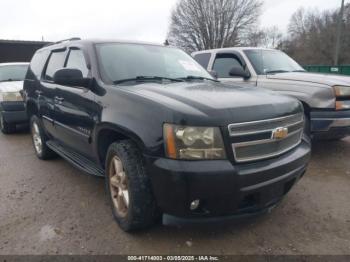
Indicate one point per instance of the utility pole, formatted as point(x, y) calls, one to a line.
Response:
point(339, 32)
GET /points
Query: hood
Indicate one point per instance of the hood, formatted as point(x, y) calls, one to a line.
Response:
point(11, 86)
point(318, 78)
point(218, 101)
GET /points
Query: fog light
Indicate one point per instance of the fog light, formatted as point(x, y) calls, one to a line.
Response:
point(194, 204)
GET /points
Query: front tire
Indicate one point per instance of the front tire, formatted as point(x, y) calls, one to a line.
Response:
point(6, 128)
point(128, 187)
point(39, 138)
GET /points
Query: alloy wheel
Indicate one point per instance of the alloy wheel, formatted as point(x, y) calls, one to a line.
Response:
point(37, 138)
point(118, 184)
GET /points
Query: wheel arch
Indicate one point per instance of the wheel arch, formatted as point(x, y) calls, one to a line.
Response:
point(307, 108)
point(108, 133)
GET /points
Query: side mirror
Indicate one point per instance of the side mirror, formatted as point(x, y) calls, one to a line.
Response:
point(213, 74)
point(238, 71)
point(70, 77)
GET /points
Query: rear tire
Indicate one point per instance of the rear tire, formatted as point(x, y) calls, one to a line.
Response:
point(129, 187)
point(39, 138)
point(6, 128)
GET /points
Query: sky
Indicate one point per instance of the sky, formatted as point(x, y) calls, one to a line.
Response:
point(145, 20)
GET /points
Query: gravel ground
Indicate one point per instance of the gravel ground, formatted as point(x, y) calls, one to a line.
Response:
point(49, 207)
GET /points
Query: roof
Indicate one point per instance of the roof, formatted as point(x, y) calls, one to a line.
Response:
point(24, 42)
point(240, 48)
point(95, 41)
point(14, 63)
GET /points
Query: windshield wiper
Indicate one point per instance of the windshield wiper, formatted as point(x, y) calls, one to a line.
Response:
point(276, 71)
point(299, 71)
point(189, 78)
point(147, 78)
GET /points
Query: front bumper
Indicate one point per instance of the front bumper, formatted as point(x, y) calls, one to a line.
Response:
point(330, 123)
point(224, 189)
point(13, 112)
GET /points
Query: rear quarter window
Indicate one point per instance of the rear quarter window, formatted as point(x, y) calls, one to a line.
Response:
point(38, 62)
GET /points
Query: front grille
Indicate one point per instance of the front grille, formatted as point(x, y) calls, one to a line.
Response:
point(258, 139)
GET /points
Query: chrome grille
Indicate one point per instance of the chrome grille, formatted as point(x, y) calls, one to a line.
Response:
point(256, 140)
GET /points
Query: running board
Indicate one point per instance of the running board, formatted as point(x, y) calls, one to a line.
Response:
point(76, 159)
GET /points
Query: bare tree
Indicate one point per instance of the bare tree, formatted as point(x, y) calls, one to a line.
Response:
point(273, 37)
point(297, 23)
point(313, 36)
point(270, 37)
point(207, 24)
point(255, 38)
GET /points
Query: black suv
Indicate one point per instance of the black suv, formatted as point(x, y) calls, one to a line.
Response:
point(169, 138)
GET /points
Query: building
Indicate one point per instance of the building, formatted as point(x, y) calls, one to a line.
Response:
point(18, 51)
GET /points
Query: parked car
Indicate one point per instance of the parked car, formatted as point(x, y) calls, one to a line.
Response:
point(11, 102)
point(168, 138)
point(326, 97)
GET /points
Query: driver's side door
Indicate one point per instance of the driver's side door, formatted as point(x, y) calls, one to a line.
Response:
point(223, 64)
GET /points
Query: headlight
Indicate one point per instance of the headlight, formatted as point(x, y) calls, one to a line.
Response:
point(342, 105)
point(341, 91)
point(11, 96)
point(189, 142)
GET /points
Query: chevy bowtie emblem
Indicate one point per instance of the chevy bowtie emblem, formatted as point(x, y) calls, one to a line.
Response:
point(279, 133)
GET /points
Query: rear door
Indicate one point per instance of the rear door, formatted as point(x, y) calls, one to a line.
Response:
point(76, 110)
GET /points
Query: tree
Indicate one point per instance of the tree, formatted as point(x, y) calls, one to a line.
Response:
point(270, 37)
point(313, 36)
point(207, 24)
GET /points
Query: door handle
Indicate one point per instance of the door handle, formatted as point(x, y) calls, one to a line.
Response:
point(59, 99)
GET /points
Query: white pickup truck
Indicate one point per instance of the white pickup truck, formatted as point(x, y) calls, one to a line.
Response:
point(326, 97)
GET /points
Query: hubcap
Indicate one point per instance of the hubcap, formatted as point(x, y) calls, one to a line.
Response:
point(37, 138)
point(118, 184)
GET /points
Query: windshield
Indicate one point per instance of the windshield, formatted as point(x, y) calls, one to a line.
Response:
point(128, 61)
point(271, 61)
point(13, 72)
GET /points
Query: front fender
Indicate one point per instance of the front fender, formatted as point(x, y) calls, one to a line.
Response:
point(118, 129)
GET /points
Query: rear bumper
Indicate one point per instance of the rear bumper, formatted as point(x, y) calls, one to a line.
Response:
point(13, 112)
point(330, 123)
point(224, 189)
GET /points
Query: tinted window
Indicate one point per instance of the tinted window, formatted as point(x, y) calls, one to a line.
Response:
point(56, 62)
point(38, 62)
point(224, 63)
point(203, 59)
point(76, 60)
point(13, 72)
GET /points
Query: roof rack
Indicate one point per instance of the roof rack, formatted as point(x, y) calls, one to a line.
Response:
point(65, 40)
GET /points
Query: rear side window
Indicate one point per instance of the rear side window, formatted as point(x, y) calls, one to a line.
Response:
point(224, 63)
point(56, 62)
point(38, 62)
point(76, 60)
point(203, 59)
